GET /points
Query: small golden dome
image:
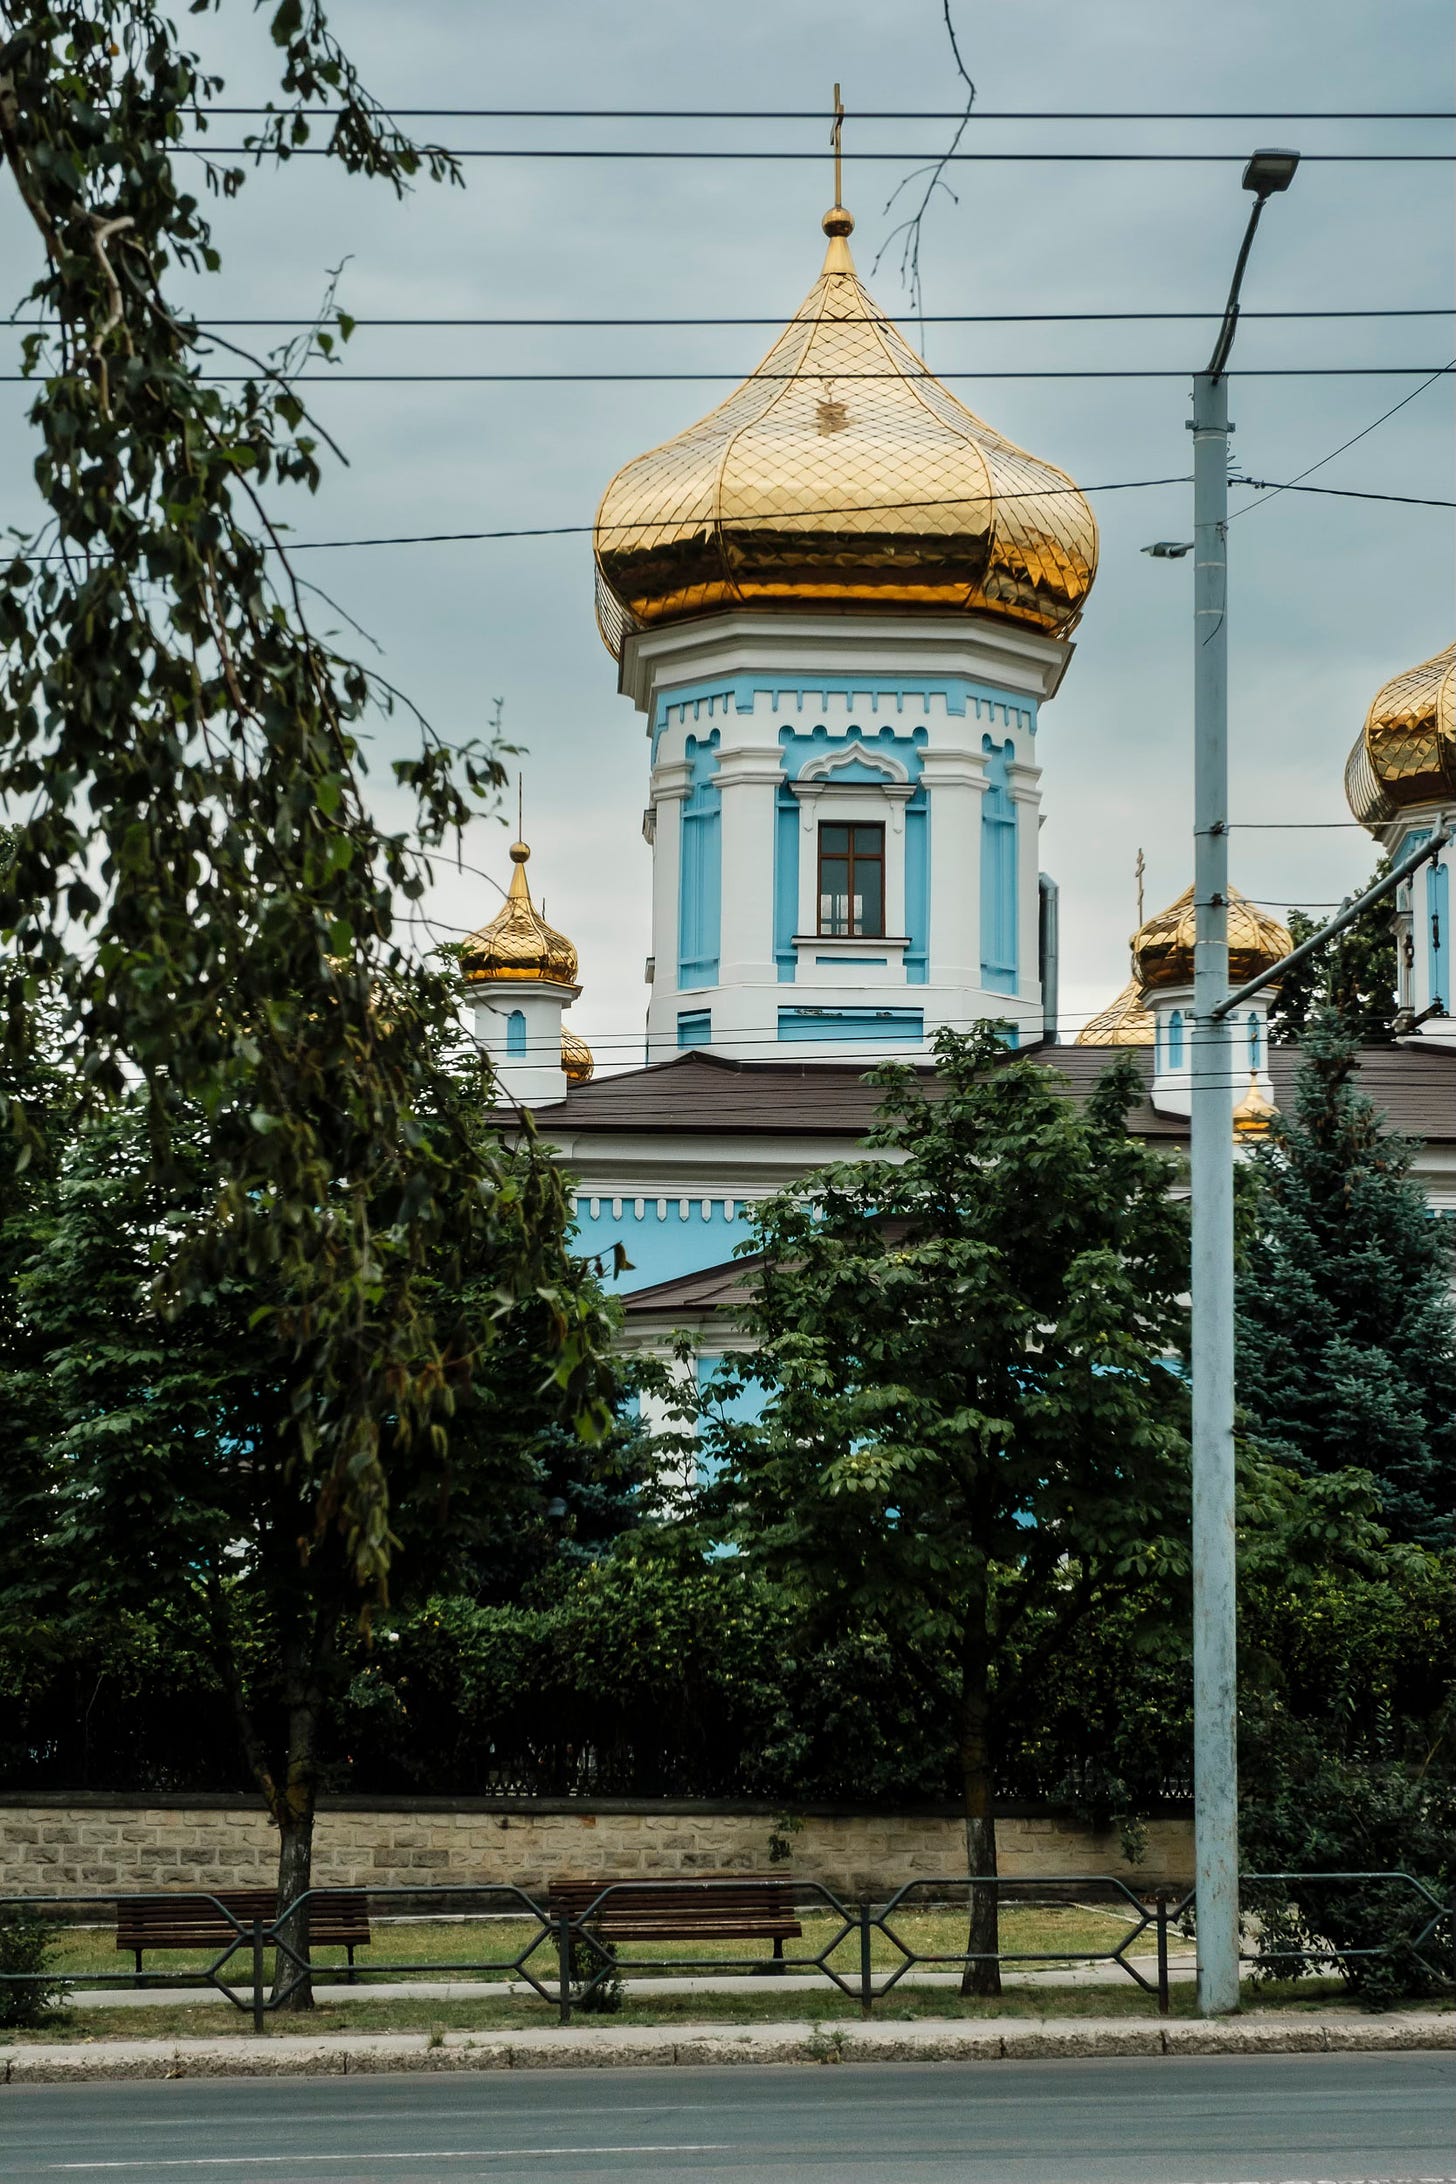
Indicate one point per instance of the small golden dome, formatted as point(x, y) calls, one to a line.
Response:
point(1254, 1113)
point(518, 943)
point(1162, 950)
point(576, 1058)
point(1124, 1022)
point(842, 476)
point(1406, 752)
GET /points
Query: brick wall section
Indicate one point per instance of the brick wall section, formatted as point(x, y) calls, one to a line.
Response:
point(93, 1845)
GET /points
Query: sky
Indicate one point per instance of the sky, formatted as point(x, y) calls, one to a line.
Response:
point(1328, 596)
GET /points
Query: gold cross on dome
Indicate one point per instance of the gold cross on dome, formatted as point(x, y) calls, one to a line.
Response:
point(1139, 869)
point(834, 138)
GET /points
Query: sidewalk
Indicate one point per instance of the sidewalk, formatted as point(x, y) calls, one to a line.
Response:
point(602, 2046)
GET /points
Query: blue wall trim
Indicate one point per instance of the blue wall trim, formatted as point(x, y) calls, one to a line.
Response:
point(897, 1027)
point(999, 965)
point(917, 888)
point(711, 698)
point(700, 874)
point(799, 748)
point(1438, 931)
point(786, 883)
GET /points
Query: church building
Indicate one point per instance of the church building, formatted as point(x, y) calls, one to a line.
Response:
point(839, 602)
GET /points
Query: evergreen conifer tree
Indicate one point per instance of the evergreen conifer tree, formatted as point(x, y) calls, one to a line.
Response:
point(1346, 1330)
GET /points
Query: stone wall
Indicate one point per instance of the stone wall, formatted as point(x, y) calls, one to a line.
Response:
point(93, 1844)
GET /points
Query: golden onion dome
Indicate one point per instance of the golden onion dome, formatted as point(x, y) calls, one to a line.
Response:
point(1162, 949)
point(1255, 1111)
point(1124, 1022)
point(1406, 752)
point(843, 476)
point(576, 1058)
point(518, 943)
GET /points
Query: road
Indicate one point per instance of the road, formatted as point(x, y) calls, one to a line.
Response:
point(1194, 2120)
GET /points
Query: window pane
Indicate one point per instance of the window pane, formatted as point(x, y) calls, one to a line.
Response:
point(869, 898)
point(869, 841)
point(834, 894)
point(834, 841)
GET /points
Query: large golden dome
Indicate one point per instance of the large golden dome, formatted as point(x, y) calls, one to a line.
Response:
point(842, 476)
point(1124, 1022)
point(518, 943)
point(1162, 949)
point(1406, 752)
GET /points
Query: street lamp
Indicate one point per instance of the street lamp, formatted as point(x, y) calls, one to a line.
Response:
point(1215, 1666)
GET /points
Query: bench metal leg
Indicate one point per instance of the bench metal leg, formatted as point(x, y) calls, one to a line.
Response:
point(138, 1981)
point(350, 1975)
point(777, 1965)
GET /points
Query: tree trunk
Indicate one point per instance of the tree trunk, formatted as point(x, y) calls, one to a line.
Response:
point(294, 1814)
point(982, 1977)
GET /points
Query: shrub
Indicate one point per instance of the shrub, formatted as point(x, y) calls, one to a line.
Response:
point(25, 1942)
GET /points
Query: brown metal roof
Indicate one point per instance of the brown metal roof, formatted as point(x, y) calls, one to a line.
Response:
point(713, 1289)
point(700, 1092)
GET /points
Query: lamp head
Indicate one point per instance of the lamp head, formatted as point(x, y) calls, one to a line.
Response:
point(1270, 171)
point(1169, 549)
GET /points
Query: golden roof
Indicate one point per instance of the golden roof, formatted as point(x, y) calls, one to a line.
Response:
point(1255, 1112)
point(518, 943)
point(1406, 752)
point(1124, 1022)
point(842, 474)
point(1162, 949)
point(576, 1058)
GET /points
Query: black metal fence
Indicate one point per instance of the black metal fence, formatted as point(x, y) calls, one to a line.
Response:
point(572, 1959)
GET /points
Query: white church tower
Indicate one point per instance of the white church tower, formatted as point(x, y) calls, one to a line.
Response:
point(840, 601)
point(520, 978)
point(1400, 782)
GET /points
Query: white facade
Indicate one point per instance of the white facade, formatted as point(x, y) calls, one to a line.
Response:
point(1173, 1047)
point(1424, 932)
point(517, 1022)
point(767, 727)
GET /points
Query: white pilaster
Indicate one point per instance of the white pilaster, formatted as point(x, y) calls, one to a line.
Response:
point(671, 781)
point(955, 782)
point(748, 779)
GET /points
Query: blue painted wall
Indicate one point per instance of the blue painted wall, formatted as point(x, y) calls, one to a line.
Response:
point(1438, 931)
point(663, 1237)
point(917, 888)
point(786, 883)
point(700, 877)
point(998, 871)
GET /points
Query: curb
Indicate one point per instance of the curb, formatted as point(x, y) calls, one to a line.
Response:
point(580, 2048)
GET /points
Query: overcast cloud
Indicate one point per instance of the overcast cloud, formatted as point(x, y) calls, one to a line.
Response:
point(1329, 596)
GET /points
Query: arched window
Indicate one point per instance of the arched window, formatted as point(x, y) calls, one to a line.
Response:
point(1256, 1040)
point(1175, 1040)
point(516, 1034)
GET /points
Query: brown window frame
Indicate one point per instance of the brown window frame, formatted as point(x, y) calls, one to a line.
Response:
point(850, 857)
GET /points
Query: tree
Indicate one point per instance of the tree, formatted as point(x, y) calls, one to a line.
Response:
point(197, 883)
point(1346, 1332)
point(178, 1480)
point(1354, 974)
point(970, 1414)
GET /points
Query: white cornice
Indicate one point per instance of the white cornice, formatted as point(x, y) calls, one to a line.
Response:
point(1003, 654)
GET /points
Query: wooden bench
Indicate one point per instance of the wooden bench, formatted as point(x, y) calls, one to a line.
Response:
point(735, 1907)
point(338, 1918)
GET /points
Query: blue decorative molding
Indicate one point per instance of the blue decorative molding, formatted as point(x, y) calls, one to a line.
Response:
point(861, 1026)
point(695, 1027)
point(999, 953)
point(786, 883)
point(799, 748)
point(917, 888)
point(877, 694)
point(700, 873)
point(516, 1034)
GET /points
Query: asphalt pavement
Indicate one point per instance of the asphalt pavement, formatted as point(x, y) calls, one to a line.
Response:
point(1195, 2120)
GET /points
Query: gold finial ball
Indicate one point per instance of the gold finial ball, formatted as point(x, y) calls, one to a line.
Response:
point(838, 222)
point(519, 853)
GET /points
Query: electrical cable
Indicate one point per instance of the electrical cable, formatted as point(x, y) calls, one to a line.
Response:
point(593, 379)
point(824, 113)
point(947, 318)
point(285, 152)
point(1294, 484)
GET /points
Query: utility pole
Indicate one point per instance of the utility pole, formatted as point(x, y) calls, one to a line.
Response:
point(1215, 1643)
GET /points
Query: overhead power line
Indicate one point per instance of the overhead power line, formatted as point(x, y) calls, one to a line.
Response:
point(861, 158)
point(575, 379)
point(930, 318)
point(825, 113)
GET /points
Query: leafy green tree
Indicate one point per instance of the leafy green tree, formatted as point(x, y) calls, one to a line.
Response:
point(1346, 1330)
point(197, 882)
point(179, 1480)
point(1354, 974)
point(970, 1413)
